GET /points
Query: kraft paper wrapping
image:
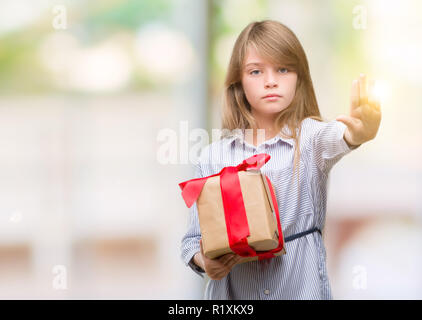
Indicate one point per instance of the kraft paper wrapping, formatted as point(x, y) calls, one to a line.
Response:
point(259, 211)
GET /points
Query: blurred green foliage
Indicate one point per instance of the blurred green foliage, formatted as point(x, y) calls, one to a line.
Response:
point(91, 22)
point(21, 71)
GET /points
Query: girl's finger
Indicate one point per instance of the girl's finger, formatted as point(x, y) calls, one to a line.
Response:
point(354, 96)
point(224, 258)
point(377, 105)
point(357, 113)
point(373, 100)
point(227, 258)
point(363, 89)
point(234, 261)
point(371, 96)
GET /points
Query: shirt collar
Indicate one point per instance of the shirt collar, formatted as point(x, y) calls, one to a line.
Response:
point(239, 135)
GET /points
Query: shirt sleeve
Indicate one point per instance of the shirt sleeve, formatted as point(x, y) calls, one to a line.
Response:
point(190, 241)
point(329, 146)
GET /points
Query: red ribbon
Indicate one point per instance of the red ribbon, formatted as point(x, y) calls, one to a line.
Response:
point(234, 208)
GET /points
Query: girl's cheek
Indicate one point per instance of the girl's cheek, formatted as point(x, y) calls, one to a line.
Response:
point(290, 83)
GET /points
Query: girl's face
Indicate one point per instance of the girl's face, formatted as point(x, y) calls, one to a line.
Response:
point(260, 79)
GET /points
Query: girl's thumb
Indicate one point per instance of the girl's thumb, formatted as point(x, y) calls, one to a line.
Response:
point(346, 120)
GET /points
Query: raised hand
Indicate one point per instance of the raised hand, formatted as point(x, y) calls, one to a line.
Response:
point(365, 113)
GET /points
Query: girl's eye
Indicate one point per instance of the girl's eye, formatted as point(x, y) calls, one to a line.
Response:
point(286, 70)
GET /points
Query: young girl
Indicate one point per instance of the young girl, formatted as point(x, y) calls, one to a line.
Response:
point(268, 86)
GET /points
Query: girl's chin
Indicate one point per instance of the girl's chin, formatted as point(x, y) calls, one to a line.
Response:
point(270, 110)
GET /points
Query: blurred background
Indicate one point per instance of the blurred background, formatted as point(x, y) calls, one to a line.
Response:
point(87, 88)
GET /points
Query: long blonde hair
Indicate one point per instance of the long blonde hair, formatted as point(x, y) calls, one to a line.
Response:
point(276, 43)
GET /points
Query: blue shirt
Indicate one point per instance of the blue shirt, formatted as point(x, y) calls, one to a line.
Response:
point(301, 273)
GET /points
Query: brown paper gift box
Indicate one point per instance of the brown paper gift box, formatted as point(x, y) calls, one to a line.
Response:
point(259, 211)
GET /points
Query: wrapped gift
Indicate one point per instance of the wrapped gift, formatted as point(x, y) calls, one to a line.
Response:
point(237, 211)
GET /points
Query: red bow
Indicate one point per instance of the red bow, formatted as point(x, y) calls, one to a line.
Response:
point(234, 208)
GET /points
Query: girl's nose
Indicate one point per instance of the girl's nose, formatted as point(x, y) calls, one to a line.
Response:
point(270, 81)
point(270, 84)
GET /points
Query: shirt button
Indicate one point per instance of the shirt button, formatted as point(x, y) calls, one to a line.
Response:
point(266, 291)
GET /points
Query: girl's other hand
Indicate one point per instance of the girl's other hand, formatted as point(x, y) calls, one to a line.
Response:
point(219, 267)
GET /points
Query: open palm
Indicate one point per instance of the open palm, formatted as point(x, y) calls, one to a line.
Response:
point(365, 113)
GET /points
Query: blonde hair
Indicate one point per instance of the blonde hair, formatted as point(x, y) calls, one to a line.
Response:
point(277, 44)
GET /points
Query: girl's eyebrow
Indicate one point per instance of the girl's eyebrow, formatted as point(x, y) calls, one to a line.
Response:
point(254, 63)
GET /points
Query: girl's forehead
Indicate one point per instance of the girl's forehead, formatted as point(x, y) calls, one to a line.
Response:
point(253, 57)
point(252, 54)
